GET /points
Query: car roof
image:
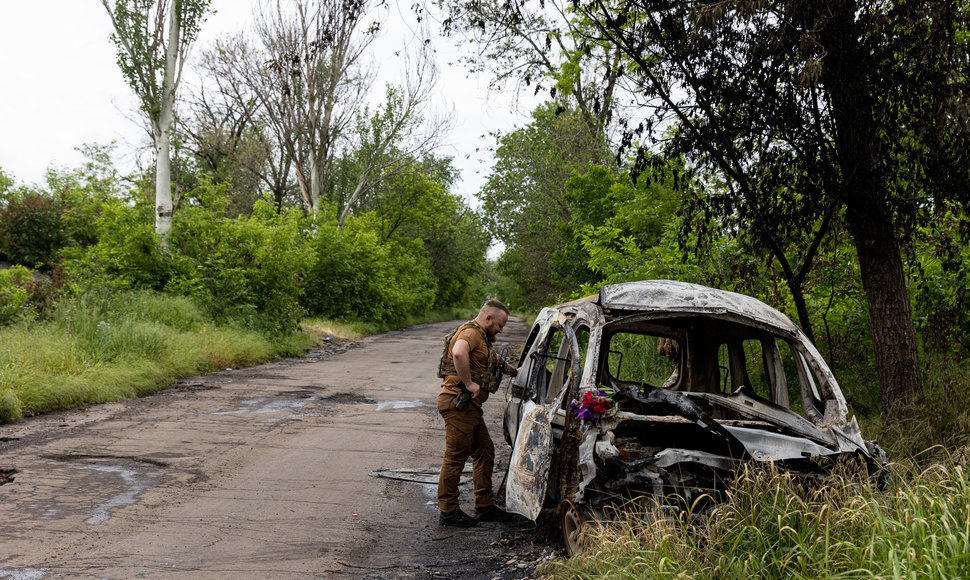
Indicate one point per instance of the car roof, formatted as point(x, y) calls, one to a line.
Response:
point(683, 297)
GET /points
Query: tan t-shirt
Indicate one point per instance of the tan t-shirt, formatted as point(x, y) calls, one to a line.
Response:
point(477, 360)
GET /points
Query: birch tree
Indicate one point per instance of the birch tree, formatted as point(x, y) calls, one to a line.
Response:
point(152, 38)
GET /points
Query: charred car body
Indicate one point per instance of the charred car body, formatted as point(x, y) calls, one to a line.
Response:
point(699, 382)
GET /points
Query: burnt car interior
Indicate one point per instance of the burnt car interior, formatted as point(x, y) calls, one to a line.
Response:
point(670, 378)
point(715, 357)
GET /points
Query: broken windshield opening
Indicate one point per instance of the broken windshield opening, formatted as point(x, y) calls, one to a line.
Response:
point(554, 366)
point(714, 356)
point(643, 358)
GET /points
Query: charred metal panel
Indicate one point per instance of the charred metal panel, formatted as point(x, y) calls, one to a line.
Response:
point(767, 446)
point(671, 296)
point(529, 466)
point(755, 409)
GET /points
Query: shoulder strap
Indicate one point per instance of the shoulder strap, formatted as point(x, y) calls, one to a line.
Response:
point(446, 366)
point(480, 329)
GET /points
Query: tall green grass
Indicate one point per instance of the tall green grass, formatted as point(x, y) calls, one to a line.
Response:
point(107, 348)
point(938, 421)
point(773, 527)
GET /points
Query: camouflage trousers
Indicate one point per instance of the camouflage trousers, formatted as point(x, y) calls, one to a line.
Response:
point(465, 436)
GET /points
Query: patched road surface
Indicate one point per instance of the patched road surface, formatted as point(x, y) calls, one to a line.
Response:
point(261, 472)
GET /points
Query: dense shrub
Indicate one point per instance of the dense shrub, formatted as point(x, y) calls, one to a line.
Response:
point(30, 229)
point(263, 272)
point(248, 270)
point(355, 276)
point(14, 296)
point(127, 255)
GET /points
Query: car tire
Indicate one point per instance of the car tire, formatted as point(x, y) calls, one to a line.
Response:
point(573, 521)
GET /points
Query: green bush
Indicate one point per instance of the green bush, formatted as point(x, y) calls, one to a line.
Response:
point(247, 270)
point(14, 296)
point(128, 254)
point(354, 276)
point(30, 229)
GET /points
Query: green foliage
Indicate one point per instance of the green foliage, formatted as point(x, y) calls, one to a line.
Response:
point(6, 185)
point(627, 231)
point(30, 229)
point(113, 345)
point(265, 270)
point(141, 38)
point(356, 276)
point(126, 255)
point(776, 528)
point(83, 192)
point(417, 205)
point(14, 298)
point(935, 424)
point(523, 201)
point(941, 305)
point(246, 269)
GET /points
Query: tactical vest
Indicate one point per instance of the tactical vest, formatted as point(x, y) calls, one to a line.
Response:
point(488, 379)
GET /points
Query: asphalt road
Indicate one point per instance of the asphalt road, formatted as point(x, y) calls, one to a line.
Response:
point(261, 472)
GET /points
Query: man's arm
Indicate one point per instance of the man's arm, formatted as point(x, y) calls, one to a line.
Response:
point(460, 355)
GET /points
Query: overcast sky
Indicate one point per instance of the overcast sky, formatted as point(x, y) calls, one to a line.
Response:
point(60, 87)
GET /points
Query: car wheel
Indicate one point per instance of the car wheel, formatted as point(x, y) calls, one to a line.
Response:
point(572, 521)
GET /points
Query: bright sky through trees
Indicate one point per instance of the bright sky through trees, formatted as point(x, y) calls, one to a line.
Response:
point(61, 87)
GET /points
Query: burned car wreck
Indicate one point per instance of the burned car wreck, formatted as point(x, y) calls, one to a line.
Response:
point(662, 389)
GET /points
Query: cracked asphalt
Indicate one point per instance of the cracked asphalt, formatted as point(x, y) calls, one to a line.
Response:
point(260, 472)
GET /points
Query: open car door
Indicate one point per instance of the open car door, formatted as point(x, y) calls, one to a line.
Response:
point(554, 374)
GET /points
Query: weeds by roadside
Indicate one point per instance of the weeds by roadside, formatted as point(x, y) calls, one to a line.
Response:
point(109, 348)
point(97, 350)
point(354, 329)
point(773, 527)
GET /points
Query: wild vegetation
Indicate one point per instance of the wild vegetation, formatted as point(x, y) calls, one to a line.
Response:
point(773, 527)
point(109, 311)
point(811, 154)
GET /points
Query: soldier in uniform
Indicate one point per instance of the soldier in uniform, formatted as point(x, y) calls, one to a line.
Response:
point(468, 365)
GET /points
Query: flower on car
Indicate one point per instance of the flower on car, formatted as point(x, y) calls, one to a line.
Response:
point(592, 406)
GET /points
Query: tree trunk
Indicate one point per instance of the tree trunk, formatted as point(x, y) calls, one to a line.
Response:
point(164, 208)
point(314, 183)
point(868, 211)
point(798, 295)
point(890, 316)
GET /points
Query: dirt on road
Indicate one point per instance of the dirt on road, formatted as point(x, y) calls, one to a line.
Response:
point(260, 472)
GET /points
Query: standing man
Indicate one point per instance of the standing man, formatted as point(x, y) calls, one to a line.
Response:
point(469, 366)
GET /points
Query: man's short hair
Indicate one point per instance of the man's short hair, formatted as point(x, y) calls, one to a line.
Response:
point(497, 305)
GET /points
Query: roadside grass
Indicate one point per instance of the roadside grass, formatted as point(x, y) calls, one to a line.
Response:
point(98, 349)
point(773, 527)
point(938, 421)
point(109, 347)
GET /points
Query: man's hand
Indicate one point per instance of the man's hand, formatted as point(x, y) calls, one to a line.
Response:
point(474, 389)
